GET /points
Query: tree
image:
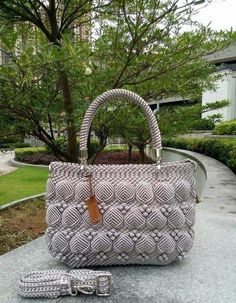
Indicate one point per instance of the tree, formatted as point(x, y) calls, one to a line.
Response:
point(177, 120)
point(139, 45)
point(131, 124)
point(53, 19)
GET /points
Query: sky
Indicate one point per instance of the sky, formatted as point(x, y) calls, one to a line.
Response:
point(221, 14)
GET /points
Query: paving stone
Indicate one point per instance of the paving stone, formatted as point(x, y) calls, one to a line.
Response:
point(5, 156)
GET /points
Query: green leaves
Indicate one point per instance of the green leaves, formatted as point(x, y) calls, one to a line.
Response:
point(8, 41)
point(138, 45)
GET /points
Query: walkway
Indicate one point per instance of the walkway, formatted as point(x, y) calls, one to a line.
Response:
point(207, 275)
point(4, 157)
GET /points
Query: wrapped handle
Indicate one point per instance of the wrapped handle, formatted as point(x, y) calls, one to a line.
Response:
point(109, 96)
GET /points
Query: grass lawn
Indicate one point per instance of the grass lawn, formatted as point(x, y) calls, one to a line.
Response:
point(21, 183)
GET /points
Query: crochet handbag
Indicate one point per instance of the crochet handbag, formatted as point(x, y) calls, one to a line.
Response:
point(120, 214)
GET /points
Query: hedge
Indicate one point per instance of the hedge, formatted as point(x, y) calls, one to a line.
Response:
point(21, 153)
point(14, 145)
point(223, 150)
point(226, 128)
point(93, 146)
point(37, 153)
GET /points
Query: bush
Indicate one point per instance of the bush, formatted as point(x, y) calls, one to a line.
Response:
point(20, 145)
point(62, 143)
point(21, 153)
point(114, 148)
point(231, 162)
point(93, 147)
point(226, 128)
point(119, 157)
point(222, 150)
point(40, 158)
point(204, 124)
point(44, 155)
point(14, 145)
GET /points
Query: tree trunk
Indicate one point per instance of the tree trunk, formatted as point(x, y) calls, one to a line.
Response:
point(50, 126)
point(142, 156)
point(70, 120)
point(102, 135)
point(129, 152)
point(56, 150)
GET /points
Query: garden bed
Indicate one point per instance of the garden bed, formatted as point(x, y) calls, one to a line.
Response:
point(21, 224)
point(223, 150)
point(37, 156)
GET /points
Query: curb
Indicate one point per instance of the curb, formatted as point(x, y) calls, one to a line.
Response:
point(184, 152)
point(15, 163)
point(21, 201)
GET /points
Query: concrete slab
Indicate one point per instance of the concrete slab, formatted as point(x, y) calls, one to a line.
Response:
point(207, 275)
point(6, 156)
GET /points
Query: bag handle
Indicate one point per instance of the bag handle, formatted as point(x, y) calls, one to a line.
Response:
point(111, 95)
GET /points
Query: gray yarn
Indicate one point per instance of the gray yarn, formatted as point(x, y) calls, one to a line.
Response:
point(55, 283)
point(147, 213)
point(116, 94)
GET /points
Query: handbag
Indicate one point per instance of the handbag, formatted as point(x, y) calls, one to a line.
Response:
point(120, 214)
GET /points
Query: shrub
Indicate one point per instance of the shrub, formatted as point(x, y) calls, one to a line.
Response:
point(62, 143)
point(204, 124)
point(14, 145)
point(92, 148)
point(21, 153)
point(20, 145)
point(40, 158)
point(231, 162)
point(226, 128)
point(119, 157)
point(114, 148)
point(44, 155)
point(222, 150)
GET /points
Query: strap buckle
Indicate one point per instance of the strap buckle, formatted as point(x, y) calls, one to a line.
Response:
point(103, 284)
point(87, 288)
point(99, 284)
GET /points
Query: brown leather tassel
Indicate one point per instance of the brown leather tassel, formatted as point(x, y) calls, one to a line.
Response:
point(92, 204)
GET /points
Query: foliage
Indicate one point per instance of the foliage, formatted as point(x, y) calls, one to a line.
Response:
point(204, 124)
point(129, 122)
point(226, 128)
point(231, 162)
point(176, 120)
point(21, 183)
point(119, 157)
point(52, 75)
point(114, 148)
point(63, 145)
point(44, 155)
point(222, 150)
point(14, 145)
point(21, 153)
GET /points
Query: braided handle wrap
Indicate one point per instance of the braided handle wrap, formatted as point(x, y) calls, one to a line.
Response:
point(111, 95)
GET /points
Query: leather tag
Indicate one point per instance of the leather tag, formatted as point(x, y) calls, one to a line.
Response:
point(93, 209)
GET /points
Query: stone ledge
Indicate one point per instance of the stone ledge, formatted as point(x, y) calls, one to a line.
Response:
point(15, 163)
point(207, 275)
point(20, 201)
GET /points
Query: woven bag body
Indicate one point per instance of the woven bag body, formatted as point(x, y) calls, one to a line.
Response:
point(147, 213)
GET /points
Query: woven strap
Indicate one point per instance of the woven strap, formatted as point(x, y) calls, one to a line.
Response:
point(117, 94)
point(56, 283)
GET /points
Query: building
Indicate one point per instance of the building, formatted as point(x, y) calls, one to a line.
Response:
point(226, 87)
point(225, 61)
